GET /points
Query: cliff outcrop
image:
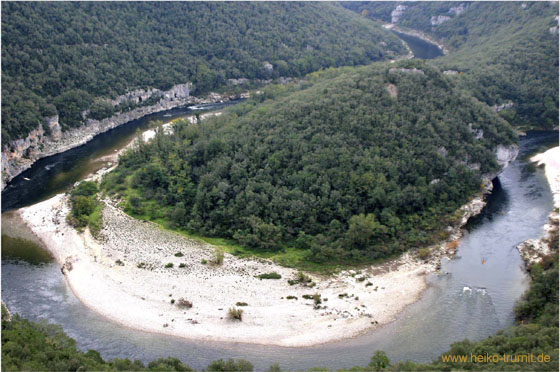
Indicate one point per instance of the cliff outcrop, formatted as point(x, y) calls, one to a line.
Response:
point(50, 138)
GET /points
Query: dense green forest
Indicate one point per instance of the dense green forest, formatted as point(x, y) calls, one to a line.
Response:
point(351, 164)
point(61, 57)
point(505, 51)
point(45, 347)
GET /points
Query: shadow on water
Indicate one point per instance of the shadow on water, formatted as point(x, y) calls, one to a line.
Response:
point(496, 204)
point(20, 249)
point(20, 244)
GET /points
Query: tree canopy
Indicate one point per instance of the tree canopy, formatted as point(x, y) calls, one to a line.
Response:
point(63, 57)
point(352, 163)
point(505, 51)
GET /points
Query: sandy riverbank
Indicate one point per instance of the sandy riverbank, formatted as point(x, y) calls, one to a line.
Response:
point(533, 250)
point(551, 161)
point(141, 297)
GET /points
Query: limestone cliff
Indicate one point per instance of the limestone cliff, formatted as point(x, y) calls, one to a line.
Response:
point(49, 139)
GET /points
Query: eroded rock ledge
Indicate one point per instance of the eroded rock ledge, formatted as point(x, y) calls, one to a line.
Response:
point(20, 154)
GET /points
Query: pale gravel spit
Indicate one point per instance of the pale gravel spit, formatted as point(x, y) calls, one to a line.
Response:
point(139, 298)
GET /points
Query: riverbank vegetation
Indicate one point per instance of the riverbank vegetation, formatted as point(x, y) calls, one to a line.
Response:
point(85, 208)
point(504, 52)
point(339, 167)
point(60, 58)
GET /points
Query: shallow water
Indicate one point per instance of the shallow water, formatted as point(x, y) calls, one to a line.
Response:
point(472, 300)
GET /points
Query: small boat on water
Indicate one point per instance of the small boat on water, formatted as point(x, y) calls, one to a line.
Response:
point(167, 115)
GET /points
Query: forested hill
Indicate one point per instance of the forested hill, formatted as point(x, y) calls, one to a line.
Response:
point(507, 51)
point(58, 57)
point(354, 163)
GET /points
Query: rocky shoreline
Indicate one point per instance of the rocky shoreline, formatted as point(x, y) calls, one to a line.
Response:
point(534, 250)
point(20, 154)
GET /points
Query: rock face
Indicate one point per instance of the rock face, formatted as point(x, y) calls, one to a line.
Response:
point(438, 20)
point(477, 133)
point(406, 71)
point(534, 250)
point(504, 106)
point(506, 154)
point(457, 9)
point(49, 139)
point(397, 13)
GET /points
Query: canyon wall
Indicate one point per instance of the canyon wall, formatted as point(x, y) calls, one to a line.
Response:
point(49, 138)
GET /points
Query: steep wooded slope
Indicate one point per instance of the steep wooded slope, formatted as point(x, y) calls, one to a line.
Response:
point(350, 164)
point(507, 52)
point(59, 57)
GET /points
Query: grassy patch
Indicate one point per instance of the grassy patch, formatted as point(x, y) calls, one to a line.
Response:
point(272, 275)
point(235, 314)
point(95, 220)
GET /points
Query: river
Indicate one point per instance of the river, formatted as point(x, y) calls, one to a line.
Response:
point(57, 173)
point(471, 300)
point(420, 48)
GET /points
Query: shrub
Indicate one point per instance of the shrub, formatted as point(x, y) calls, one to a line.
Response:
point(291, 298)
point(169, 265)
point(203, 261)
point(241, 304)
point(379, 361)
point(179, 254)
point(172, 301)
point(423, 253)
point(301, 278)
point(83, 200)
point(235, 314)
point(230, 365)
point(184, 304)
point(316, 300)
point(272, 275)
point(182, 265)
point(218, 258)
point(119, 262)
